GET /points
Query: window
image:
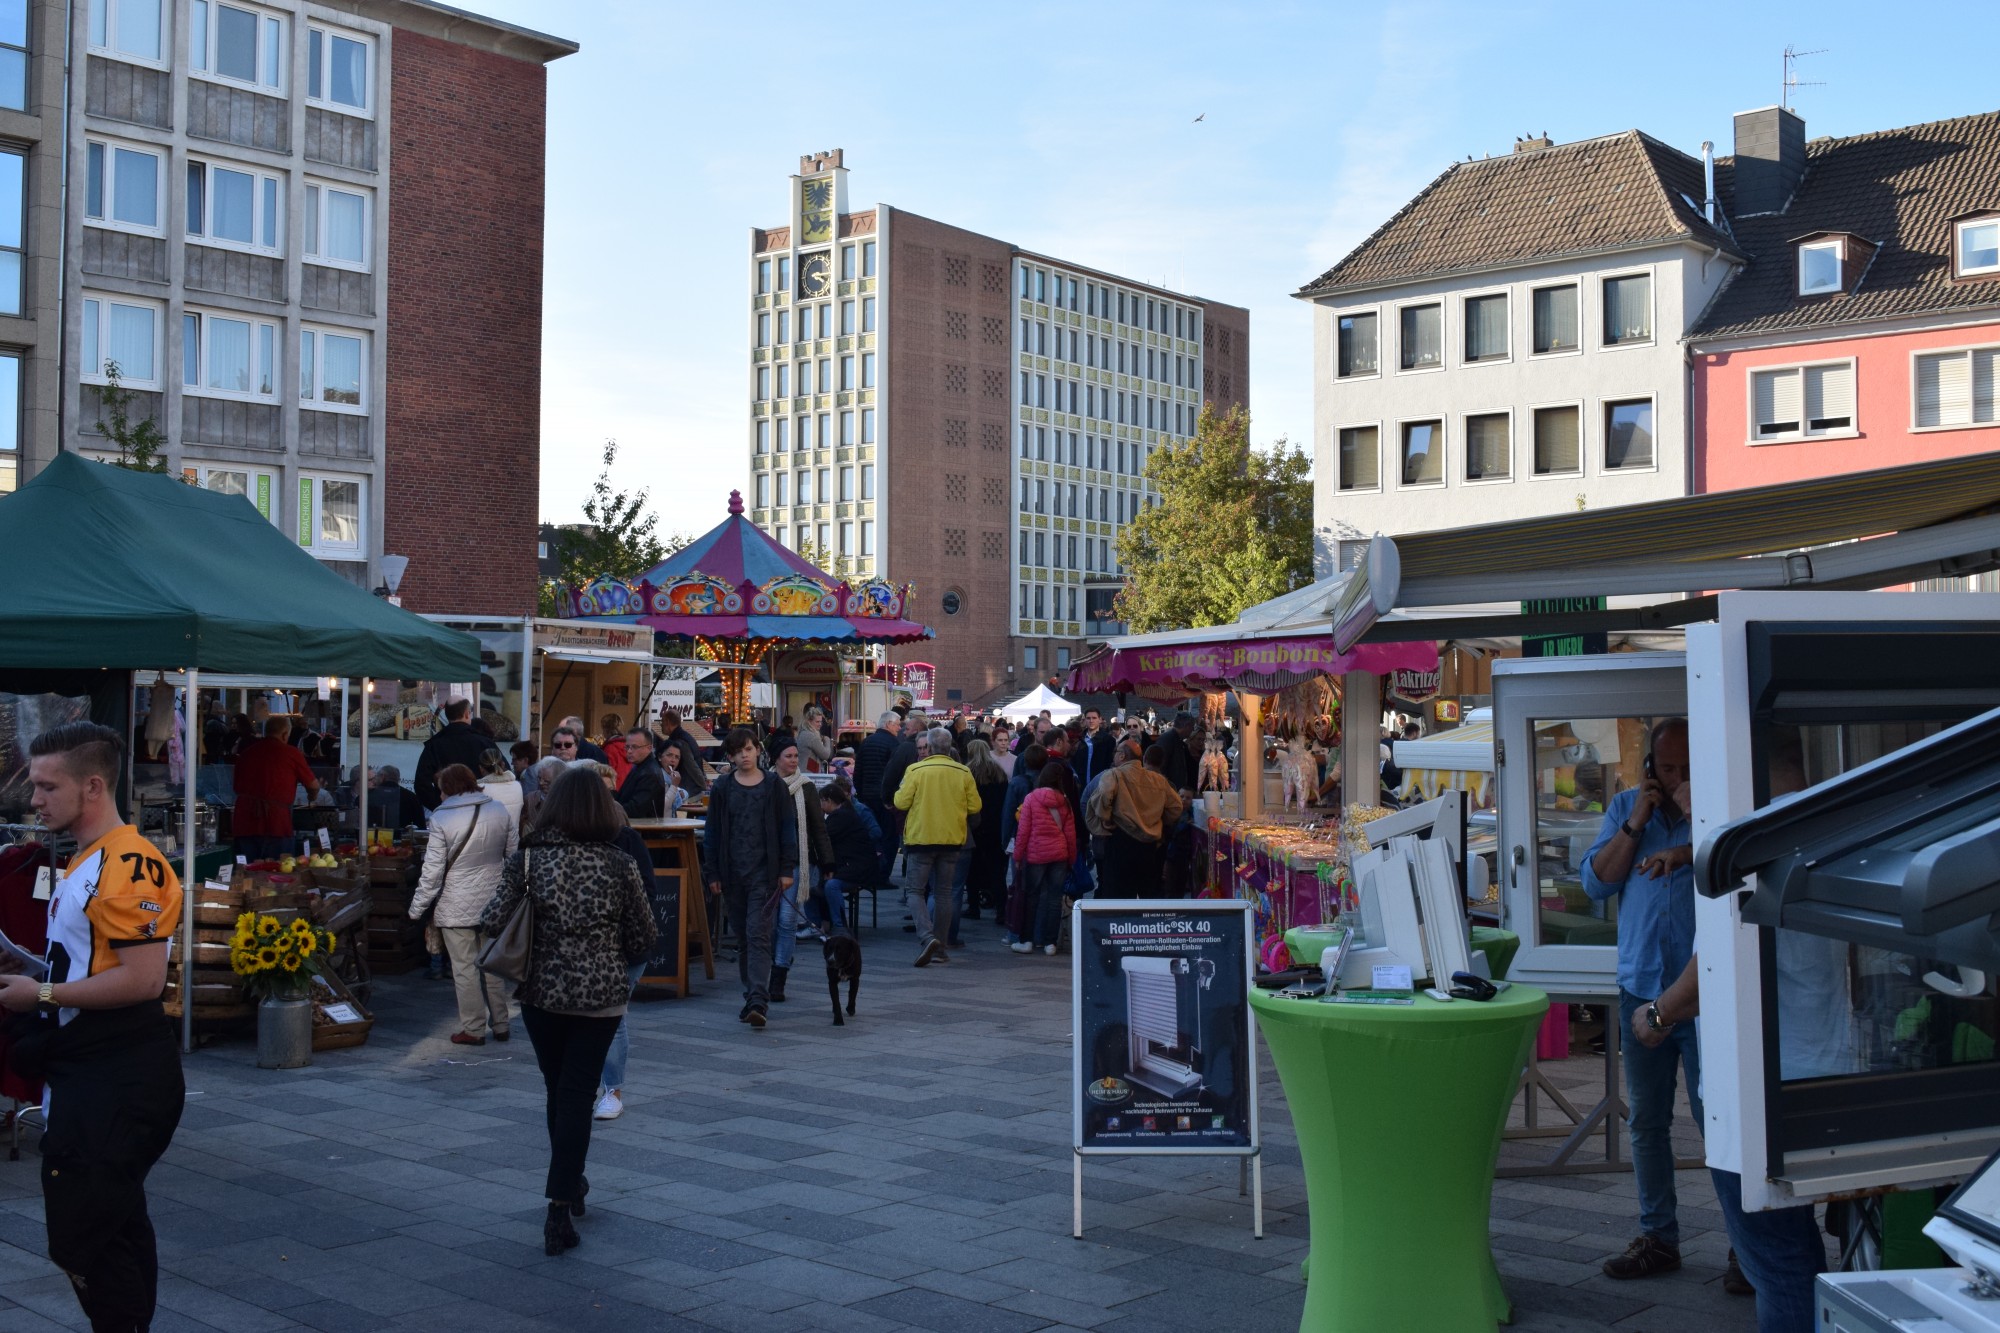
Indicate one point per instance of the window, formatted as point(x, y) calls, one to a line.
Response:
point(333, 369)
point(1555, 319)
point(1423, 452)
point(825, 423)
point(825, 380)
point(824, 493)
point(10, 415)
point(800, 536)
point(846, 267)
point(1801, 401)
point(763, 277)
point(337, 70)
point(846, 378)
point(1628, 434)
point(1486, 328)
point(846, 540)
point(805, 433)
point(1819, 268)
point(121, 333)
point(231, 206)
point(763, 330)
point(331, 522)
point(784, 327)
point(868, 532)
point(14, 55)
point(1558, 441)
point(867, 481)
point(823, 537)
point(764, 488)
point(1423, 336)
point(868, 425)
point(121, 186)
point(847, 316)
point(1978, 247)
point(1030, 660)
point(868, 259)
point(337, 225)
point(868, 314)
point(1628, 310)
point(868, 370)
point(1357, 346)
point(785, 285)
point(126, 28)
point(846, 428)
point(1489, 447)
point(1062, 654)
point(846, 484)
point(763, 437)
point(782, 478)
point(782, 433)
point(237, 44)
point(226, 356)
point(13, 218)
point(253, 485)
point(802, 489)
point(763, 383)
point(1957, 388)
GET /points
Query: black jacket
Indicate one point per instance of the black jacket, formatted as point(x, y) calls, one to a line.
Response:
point(783, 831)
point(643, 793)
point(1178, 768)
point(854, 858)
point(899, 764)
point(1095, 753)
point(458, 743)
point(871, 761)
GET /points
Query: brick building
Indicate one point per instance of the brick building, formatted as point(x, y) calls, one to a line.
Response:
point(943, 408)
point(310, 242)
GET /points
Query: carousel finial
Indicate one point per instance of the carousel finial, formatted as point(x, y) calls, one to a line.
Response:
point(736, 502)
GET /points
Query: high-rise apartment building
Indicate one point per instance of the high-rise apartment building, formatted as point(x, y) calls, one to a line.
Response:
point(307, 242)
point(938, 407)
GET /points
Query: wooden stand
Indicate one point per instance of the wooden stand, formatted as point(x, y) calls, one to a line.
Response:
point(676, 848)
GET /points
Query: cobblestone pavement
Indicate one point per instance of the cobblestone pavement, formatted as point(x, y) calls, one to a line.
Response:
point(907, 1171)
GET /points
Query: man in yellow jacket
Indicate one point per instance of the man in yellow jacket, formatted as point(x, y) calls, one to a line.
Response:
point(940, 804)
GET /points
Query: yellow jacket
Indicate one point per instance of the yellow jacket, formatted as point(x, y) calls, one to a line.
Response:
point(938, 793)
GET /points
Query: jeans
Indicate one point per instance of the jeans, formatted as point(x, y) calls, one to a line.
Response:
point(570, 1050)
point(1649, 1080)
point(1780, 1252)
point(830, 907)
point(1042, 897)
point(930, 866)
point(621, 1041)
point(753, 916)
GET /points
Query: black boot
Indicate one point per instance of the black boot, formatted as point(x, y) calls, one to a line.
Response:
point(778, 975)
point(559, 1233)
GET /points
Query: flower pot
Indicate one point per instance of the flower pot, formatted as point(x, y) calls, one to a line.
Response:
point(284, 1033)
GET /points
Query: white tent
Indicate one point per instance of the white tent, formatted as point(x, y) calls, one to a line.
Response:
point(1035, 701)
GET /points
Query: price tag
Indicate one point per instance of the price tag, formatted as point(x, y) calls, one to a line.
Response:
point(325, 840)
point(243, 860)
point(1393, 978)
point(45, 883)
point(223, 873)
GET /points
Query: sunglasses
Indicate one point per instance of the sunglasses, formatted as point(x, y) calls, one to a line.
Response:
point(565, 745)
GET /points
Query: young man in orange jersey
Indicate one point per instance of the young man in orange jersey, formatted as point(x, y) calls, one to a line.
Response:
point(111, 1062)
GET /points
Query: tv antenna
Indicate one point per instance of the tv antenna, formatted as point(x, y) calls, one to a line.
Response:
point(1792, 79)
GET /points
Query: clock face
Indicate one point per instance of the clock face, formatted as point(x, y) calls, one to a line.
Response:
point(815, 275)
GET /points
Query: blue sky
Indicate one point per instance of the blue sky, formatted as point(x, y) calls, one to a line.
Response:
point(1067, 128)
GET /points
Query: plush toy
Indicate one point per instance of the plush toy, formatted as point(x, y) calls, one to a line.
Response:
point(1214, 773)
point(1300, 771)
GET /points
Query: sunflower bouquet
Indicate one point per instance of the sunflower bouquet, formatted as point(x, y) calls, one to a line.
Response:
point(277, 959)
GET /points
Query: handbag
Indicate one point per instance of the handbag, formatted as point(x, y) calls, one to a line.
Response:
point(506, 955)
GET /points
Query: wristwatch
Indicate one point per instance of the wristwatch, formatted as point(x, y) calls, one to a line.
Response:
point(45, 998)
point(1653, 1018)
point(1633, 833)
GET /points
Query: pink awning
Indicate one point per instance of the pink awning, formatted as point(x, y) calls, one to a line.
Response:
point(1260, 665)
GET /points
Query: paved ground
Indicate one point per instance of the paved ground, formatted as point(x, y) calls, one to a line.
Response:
point(907, 1171)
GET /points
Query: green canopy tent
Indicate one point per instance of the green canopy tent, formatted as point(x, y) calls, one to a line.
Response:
point(111, 569)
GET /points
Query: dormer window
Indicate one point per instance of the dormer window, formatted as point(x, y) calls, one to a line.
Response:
point(1819, 268)
point(1978, 248)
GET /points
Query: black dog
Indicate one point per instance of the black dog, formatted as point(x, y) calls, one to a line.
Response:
point(843, 963)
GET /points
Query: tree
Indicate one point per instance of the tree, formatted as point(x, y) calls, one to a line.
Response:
point(139, 446)
point(617, 537)
point(819, 557)
point(1232, 528)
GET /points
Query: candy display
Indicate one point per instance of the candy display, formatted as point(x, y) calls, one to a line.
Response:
point(1294, 875)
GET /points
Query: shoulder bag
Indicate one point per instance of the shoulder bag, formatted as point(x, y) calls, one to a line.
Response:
point(506, 955)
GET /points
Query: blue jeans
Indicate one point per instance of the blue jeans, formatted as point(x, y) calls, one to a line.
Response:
point(1649, 1085)
point(785, 946)
point(1780, 1252)
point(621, 1041)
point(1041, 900)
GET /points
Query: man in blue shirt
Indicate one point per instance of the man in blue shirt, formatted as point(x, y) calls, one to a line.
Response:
point(1644, 855)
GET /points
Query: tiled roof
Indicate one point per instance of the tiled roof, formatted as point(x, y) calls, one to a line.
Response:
point(1605, 194)
point(1897, 188)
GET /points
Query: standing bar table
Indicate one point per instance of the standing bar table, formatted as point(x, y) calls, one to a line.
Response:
point(1399, 1111)
point(676, 848)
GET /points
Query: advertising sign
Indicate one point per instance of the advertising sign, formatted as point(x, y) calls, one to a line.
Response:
point(1581, 644)
point(1164, 1057)
point(1414, 685)
point(921, 677)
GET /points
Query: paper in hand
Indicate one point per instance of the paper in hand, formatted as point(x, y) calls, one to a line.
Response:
point(16, 961)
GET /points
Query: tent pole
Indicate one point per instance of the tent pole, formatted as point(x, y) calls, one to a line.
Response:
point(361, 773)
point(1250, 754)
point(1360, 738)
point(190, 762)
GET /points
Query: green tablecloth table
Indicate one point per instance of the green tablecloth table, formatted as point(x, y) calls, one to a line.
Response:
point(1399, 1112)
point(1498, 945)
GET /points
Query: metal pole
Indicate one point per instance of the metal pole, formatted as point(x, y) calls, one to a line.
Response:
point(190, 762)
point(1257, 1197)
point(361, 776)
point(1076, 1196)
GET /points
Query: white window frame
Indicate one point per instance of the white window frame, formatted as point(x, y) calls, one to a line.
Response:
point(316, 401)
point(1604, 404)
point(205, 318)
point(203, 66)
point(1358, 313)
point(1839, 253)
point(327, 33)
point(312, 491)
point(1444, 340)
point(112, 11)
point(1465, 301)
point(90, 355)
point(315, 206)
point(1652, 311)
point(1535, 290)
point(1444, 455)
point(200, 474)
point(262, 201)
point(1972, 422)
point(1340, 430)
point(1805, 430)
point(763, 483)
point(1582, 438)
point(1958, 246)
point(111, 149)
point(1513, 447)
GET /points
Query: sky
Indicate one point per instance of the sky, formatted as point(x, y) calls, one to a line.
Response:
point(1070, 129)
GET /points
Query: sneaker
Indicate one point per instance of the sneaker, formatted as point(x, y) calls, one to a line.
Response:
point(1049, 949)
point(1022, 946)
point(609, 1106)
point(1733, 1280)
point(930, 953)
point(1644, 1257)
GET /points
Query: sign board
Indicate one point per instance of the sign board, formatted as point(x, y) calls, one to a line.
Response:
point(1581, 644)
point(1164, 1042)
point(669, 692)
point(806, 668)
point(555, 634)
point(1416, 686)
point(921, 677)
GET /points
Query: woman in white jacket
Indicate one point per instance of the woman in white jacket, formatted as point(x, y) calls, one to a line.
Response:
point(496, 779)
point(472, 835)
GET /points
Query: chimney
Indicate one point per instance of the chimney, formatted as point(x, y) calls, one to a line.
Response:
point(1534, 145)
point(1770, 159)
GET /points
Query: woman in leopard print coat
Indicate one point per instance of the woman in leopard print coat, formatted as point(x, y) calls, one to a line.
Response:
point(592, 921)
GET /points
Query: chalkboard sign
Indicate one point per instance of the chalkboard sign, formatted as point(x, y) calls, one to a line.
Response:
point(1164, 1058)
point(676, 875)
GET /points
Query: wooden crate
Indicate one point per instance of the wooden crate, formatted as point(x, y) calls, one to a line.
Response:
point(330, 1035)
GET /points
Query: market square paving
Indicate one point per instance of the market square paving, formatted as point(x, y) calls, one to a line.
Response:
point(907, 1171)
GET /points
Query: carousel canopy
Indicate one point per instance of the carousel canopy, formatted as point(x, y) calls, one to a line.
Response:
point(735, 582)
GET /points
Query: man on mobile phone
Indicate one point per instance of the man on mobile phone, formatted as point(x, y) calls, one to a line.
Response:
point(1644, 856)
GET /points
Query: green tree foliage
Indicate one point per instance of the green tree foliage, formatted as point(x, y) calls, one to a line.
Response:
point(618, 536)
point(1233, 527)
point(141, 446)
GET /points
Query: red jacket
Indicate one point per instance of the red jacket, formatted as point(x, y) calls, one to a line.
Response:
point(1045, 829)
point(614, 754)
point(269, 773)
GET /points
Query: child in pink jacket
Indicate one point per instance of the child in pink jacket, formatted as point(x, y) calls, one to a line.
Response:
point(1044, 851)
